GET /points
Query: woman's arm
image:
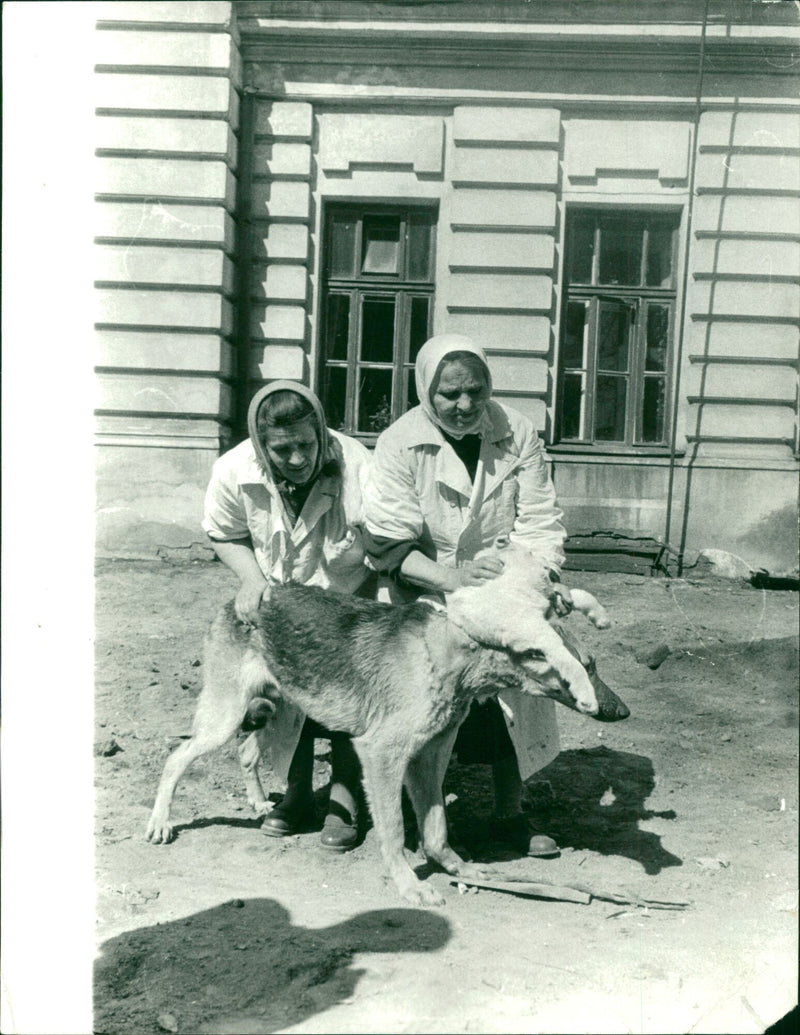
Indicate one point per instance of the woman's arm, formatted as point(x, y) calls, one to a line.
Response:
point(238, 555)
point(538, 525)
point(421, 571)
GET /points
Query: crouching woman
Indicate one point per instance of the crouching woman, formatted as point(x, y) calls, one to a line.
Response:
point(449, 477)
point(284, 506)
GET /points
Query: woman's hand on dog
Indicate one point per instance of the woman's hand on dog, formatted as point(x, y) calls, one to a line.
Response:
point(248, 600)
point(475, 573)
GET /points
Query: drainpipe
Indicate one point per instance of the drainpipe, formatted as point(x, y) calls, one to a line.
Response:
point(684, 286)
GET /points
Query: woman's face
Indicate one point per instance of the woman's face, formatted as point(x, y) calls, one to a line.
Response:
point(293, 450)
point(460, 396)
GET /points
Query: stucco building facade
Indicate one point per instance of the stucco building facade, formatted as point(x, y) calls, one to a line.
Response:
point(604, 194)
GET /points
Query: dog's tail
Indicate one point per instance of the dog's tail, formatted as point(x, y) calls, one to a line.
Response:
point(591, 607)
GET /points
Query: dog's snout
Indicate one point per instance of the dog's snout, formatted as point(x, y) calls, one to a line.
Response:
point(610, 707)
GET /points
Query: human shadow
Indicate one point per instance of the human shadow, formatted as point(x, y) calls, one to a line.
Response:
point(595, 800)
point(244, 967)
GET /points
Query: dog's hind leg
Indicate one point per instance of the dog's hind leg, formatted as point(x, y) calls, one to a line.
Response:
point(383, 767)
point(218, 716)
point(250, 752)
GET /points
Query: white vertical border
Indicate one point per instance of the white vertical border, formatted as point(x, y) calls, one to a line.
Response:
point(48, 523)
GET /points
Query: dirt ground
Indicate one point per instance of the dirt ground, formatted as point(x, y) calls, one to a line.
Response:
point(694, 798)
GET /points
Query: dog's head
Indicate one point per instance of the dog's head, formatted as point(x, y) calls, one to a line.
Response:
point(579, 688)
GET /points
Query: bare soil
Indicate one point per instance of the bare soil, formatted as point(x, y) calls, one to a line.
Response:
point(694, 798)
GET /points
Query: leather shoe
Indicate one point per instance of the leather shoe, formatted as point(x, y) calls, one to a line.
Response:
point(337, 835)
point(285, 820)
point(516, 831)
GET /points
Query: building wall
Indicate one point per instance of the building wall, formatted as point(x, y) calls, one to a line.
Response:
point(504, 127)
point(167, 87)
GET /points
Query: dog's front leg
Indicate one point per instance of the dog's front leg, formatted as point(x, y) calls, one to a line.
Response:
point(424, 779)
point(383, 766)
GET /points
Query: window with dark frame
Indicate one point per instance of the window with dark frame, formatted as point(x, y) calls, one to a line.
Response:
point(377, 310)
point(617, 328)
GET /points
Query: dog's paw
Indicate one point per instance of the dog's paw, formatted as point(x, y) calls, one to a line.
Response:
point(159, 833)
point(473, 871)
point(260, 806)
point(424, 895)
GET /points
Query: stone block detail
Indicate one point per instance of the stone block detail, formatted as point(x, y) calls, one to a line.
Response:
point(164, 350)
point(279, 282)
point(596, 146)
point(159, 221)
point(750, 129)
point(518, 373)
point(291, 120)
point(350, 139)
point(505, 167)
point(271, 362)
point(167, 309)
point(279, 322)
point(206, 50)
point(281, 199)
point(744, 422)
point(487, 251)
point(501, 330)
point(488, 125)
point(176, 178)
point(509, 209)
point(500, 291)
point(147, 133)
point(144, 264)
point(282, 158)
point(160, 393)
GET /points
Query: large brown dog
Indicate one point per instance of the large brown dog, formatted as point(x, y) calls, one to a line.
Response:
point(399, 679)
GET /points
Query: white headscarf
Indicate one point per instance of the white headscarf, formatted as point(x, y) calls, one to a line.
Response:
point(429, 361)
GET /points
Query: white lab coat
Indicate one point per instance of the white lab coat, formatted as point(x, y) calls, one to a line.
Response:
point(418, 489)
point(324, 548)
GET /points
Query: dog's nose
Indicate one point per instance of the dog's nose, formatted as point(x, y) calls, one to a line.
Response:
point(610, 707)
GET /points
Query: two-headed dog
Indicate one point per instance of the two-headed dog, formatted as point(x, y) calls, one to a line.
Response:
point(400, 680)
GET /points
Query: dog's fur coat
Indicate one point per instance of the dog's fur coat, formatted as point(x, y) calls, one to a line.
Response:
point(400, 680)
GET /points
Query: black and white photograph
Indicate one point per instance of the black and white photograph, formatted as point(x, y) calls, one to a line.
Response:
point(400, 536)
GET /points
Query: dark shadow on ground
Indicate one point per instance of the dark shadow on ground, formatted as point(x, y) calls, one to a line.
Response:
point(595, 800)
point(244, 967)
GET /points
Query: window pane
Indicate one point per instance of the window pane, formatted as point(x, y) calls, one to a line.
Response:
point(337, 326)
point(377, 330)
point(620, 252)
point(374, 400)
point(659, 256)
point(412, 398)
point(657, 340)
point(653, 409)
point(571, 422)
point(343, 243)
point(575, 335)
point(381, 245)
point(335, 396)
point(609, 410)
point(582, 251)
point(419, 248)
point(612, 337)
point(419, 326)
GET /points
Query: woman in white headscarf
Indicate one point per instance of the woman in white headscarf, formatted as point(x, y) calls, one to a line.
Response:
point(287, 505)
point(448, 477)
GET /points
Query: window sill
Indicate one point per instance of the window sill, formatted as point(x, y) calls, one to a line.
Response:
point(610, 452)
